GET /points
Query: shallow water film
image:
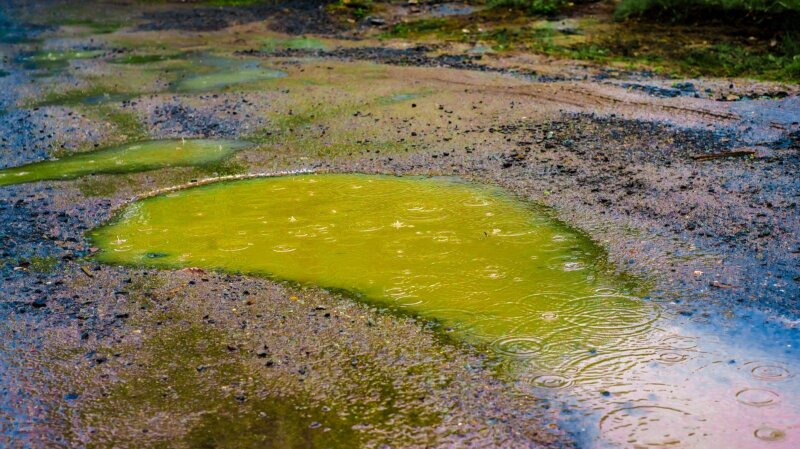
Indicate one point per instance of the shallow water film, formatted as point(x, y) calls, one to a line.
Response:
point(222, 79)
point(140, 156)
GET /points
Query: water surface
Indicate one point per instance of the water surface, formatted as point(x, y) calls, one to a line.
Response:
point(134, 157)
point(56, 59)
point(220, 79)
point(484, 264)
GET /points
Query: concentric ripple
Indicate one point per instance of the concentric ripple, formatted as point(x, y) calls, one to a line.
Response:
point(767, 433)
point(757, 397)
point(551, 381)
point(768, 371)
point(609, 314)
point(652, 426)
point(517, 347)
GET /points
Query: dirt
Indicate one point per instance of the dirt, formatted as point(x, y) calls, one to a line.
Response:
point(100, 356)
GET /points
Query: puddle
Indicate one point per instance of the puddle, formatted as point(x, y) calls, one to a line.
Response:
point(211, 72)
point(451, 9)
point(484, 265)
point(54, 60)
point(107, 97)
point(135, 157)
point(400, 97)
point(220, 80)
point(496, 273)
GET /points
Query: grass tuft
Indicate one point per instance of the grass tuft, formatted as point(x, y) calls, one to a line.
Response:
point(532, 6)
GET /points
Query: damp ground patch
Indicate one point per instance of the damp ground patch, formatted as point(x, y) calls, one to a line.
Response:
point(134, 157)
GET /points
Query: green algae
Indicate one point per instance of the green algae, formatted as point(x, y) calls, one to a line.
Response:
point(136, 59)
point(54, 60)
point(96, 95)
point(488, 267)
point(222, 79)
point(134, 157)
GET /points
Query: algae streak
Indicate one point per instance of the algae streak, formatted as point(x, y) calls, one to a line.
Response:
point(140, 156)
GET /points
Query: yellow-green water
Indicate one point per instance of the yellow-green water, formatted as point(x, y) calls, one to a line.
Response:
point(140, 156)
point(220, 80)
point(65, 55)
point(489, 267)
point(126, 158)
point(57, 59)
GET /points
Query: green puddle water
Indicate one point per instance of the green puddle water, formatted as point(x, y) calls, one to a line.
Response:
point(140, 156)
point(47, 59)
point(489, 267)
point(222, 79)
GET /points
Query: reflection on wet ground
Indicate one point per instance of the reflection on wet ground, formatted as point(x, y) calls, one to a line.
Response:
point(494, 273)
point(140, 156)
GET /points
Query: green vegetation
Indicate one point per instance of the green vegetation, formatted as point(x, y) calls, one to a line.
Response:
point(771, 21)
point(353, 9)
point(714, 49)
point(708, 10)
point(144, 59)
point(418, 27)
point(102, 186)
point(127, 123)
point(532, 6)
point(93, 95)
